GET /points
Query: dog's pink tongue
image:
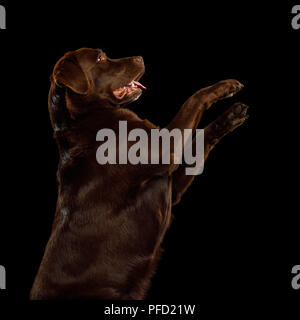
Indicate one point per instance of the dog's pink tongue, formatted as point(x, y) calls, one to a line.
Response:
point(139, 85)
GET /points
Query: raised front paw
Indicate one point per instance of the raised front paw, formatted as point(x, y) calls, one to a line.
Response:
point(221, 90)
point(232, 118)
point(227, 88)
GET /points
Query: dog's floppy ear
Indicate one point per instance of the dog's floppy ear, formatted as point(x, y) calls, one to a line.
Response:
point(69, 73)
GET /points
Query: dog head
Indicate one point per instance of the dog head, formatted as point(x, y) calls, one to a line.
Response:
point(89, 72)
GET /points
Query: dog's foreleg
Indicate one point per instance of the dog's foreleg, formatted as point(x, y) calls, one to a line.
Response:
point(232, 118)
point(188, 117)
point(190, 113)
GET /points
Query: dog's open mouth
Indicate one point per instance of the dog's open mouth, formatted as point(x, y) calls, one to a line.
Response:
point(129, 89)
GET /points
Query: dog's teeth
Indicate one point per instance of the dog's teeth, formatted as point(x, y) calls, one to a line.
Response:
point(131, 84)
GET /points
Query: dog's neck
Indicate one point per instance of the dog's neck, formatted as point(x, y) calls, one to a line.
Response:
point(66, 128)
point(59, 115)
point(60, 119)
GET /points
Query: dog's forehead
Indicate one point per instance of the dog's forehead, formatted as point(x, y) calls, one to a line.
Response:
point(86, 56)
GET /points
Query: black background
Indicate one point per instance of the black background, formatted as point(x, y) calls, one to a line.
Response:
point(235, 236)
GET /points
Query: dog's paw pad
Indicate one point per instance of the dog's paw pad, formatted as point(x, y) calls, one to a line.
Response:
point(237, 114)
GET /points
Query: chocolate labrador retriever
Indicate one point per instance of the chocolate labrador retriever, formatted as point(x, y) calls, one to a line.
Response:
point(110, 219)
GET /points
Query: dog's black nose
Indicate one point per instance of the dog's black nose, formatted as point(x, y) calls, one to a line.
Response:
point(138, 59)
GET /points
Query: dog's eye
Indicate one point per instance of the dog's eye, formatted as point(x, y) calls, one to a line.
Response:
point(101, 57)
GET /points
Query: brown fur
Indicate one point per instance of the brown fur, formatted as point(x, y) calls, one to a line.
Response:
point(110, 220)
